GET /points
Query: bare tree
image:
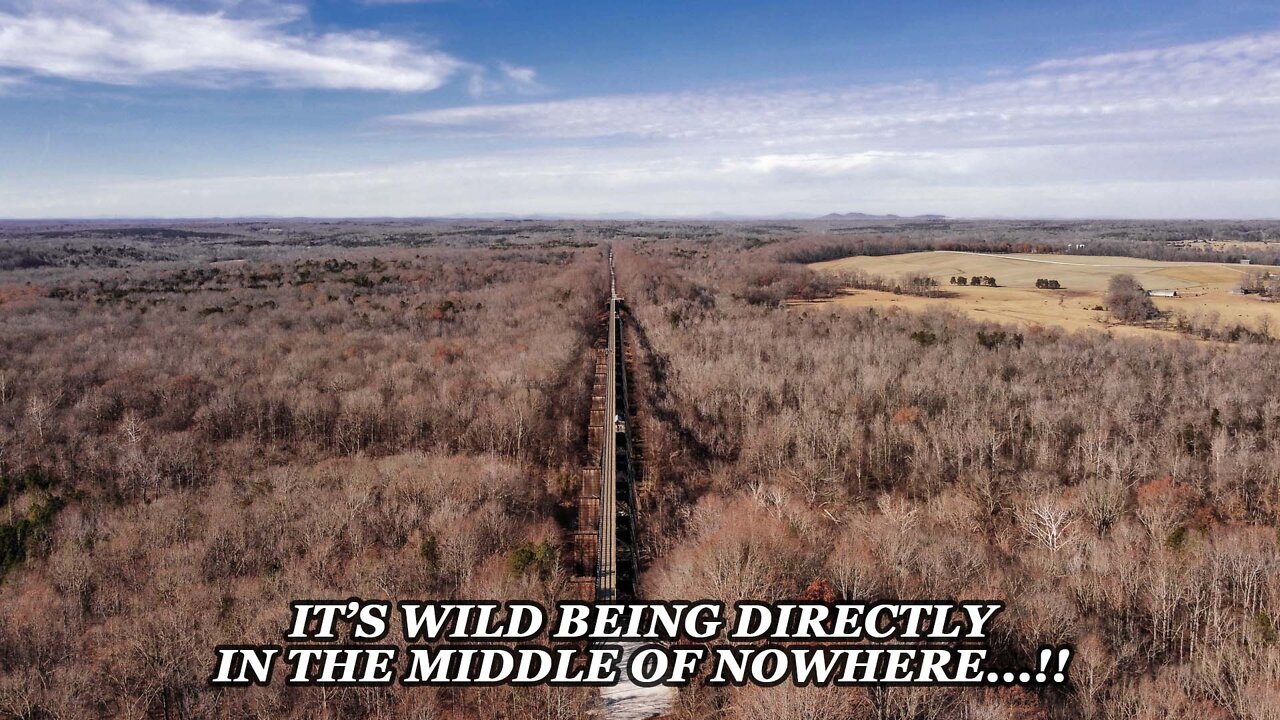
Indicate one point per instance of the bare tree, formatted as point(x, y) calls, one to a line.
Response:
point(1128, 301)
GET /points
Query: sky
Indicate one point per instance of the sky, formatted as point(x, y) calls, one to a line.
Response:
point(358, 108)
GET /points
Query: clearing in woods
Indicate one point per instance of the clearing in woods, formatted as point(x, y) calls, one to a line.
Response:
point(1203, 288)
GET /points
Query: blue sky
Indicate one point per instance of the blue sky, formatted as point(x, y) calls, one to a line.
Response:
point(199, 108)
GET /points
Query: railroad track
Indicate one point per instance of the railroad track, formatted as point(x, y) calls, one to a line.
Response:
point(616, 570)
point(605, 540)
point(607, 565)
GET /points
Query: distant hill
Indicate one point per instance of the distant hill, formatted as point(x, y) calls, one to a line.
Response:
point(867, 216)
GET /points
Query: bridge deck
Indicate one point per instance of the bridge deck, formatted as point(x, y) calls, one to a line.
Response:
point(607, 569)
point(616, 483)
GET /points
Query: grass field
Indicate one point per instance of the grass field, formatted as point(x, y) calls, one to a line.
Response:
point(1203, 288)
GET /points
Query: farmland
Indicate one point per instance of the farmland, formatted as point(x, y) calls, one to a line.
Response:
point(1205, 290)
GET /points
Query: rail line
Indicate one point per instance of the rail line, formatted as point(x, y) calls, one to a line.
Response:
point(616, 561)
point(607, 565)
point(605, 539)
point(607, 557)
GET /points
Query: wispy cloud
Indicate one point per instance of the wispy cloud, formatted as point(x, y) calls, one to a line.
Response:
point(1173, 132)
point(1242, 52)
point(508, 78)
point(522, 79)
point(1228, 86)
point(1176, 180)
point(133, 42)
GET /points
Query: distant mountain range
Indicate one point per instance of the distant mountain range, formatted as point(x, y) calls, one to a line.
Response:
point(866, 216)
point(699, 216)
point(617, 215)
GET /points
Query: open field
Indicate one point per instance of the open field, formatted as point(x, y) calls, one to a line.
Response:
point(1203, 288)
point(1230, 245)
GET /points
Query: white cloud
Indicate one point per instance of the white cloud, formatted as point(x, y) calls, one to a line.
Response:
point(1231, 86)
point(131, 42)
point(511, 78)
point(1178, 132)
point(1244, 50)
point(522, 79)
point(1098, 180)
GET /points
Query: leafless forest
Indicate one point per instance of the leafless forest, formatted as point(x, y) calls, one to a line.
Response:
point(200, 423)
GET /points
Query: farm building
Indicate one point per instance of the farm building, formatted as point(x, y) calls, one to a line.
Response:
point(1162, 293)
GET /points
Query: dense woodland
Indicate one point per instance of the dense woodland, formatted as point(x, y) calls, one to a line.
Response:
point(199, 425)
point(1120, 495)
point(186, 447)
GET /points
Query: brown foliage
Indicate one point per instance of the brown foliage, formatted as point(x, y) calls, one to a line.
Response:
point(222, 439)
point(1115, 494)
point(211, 440)
point(1128, 301)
